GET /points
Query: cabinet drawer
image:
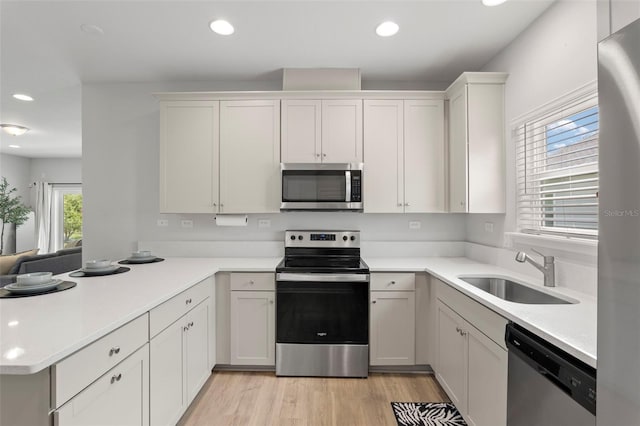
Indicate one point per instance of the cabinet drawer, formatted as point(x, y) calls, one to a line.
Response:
point(74, 373)
point(119, 397)
point(164, 315)
point(253, 281)
point(481, 317)
point(393, 282)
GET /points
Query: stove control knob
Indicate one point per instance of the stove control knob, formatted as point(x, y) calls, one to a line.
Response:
point(300, 237)
point(353, 238)
point(344, 238)
point(293, 237)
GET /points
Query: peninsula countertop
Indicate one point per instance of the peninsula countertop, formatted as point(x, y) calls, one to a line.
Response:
point(38, 331)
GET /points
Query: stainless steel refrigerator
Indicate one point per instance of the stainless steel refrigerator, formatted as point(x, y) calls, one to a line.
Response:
point(618, 385)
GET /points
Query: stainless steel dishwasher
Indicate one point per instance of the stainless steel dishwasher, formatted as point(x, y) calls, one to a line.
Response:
point(547, 386)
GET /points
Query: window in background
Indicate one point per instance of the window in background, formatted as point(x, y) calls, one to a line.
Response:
point(67, 216)
point(557, 170)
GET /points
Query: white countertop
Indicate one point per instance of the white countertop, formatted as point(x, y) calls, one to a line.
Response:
point(570, 327)
point(36, 332)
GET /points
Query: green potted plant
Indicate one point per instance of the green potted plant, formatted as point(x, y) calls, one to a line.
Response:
point(11, 209)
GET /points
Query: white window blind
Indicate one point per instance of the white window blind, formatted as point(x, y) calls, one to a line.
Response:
point(557, 170)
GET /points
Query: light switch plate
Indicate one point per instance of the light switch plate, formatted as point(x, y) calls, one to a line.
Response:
point(186, 223)
point(264, 223)
point(488, 226)
point(415, 224)
point(162, 222)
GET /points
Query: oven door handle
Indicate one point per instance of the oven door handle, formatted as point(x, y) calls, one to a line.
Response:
point(287, 276)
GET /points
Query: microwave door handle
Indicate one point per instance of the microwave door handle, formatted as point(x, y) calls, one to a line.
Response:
point(347, 178)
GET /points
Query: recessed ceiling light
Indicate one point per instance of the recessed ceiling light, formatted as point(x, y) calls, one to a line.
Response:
point(222, 27)
point(14, 129)
point(16, 147)
point(92, 29)
point(22, 97)
point(387, 29)
point(493, 2)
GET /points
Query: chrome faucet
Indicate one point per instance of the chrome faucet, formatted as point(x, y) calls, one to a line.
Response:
point(548, 269)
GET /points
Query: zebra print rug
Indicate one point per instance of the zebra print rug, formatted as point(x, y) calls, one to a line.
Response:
point(427, 414)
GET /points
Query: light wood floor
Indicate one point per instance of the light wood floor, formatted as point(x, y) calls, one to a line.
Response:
point(238, 398)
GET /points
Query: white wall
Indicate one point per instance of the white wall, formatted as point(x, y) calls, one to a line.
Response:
point(56, 170)
point(16, 170)
point(120, 172)
point(554, 56)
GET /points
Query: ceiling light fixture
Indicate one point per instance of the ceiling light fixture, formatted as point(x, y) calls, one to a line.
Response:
point(222, 27)
point(14, 129)
point(92, 29)
point(22, 97)
point(15, 147)
point(387, 29)
point(491, 3)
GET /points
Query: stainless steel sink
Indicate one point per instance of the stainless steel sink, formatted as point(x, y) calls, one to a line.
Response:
point(513, 291)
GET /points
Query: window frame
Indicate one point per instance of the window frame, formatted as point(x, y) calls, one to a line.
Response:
point(58, 191)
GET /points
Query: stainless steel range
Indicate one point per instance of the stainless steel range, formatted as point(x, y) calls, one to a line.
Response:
point(322, 306)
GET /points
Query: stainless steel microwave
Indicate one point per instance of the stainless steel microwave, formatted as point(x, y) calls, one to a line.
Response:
point(322, 187)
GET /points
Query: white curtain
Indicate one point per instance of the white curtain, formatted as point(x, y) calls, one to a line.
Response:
point(44, 217)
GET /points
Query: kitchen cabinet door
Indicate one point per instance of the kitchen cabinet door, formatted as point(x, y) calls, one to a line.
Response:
point(392, 328)
point(451, 360)
point(458, 150)
point(487, 377)
point(189, 133)
point(120, 397)
point(384, 156)
point(250, 156)
point(197, 349)
point(424, 156)
point(167, 363)
point(301, 139)
point(476, 143)
point(253, 318)
point(342, 131)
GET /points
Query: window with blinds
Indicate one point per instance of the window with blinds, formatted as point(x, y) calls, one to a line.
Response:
point(557, 171)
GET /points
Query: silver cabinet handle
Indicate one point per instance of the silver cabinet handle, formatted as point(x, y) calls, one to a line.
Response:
point(324, 155)
point(251, 282)
point(458, 330)
point(187, 302)
point(406, 204)
point(392, 283)
point(317, 155)
point(462, 203)
point(215, 204)
point(114, 350)
point(374, 301)
point(271, 301)
point(399, 204)
point(191, 324)
point(116, 378)
point(185, 328)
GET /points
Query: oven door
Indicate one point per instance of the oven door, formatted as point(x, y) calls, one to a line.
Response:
point(322, 308)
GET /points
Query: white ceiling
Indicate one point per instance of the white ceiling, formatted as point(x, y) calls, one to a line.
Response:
point(44, 53)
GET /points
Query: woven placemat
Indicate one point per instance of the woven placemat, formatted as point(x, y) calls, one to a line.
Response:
point(64, 285)
point(135, 262)
point(79, 274)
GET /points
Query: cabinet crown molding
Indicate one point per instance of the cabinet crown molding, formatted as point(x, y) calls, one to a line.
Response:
point(307, 94)
point(477, 78)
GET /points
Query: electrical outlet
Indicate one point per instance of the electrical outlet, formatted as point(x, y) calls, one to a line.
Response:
point(415, 224)
point(264, 223)
point(186, 223)
point(162, 222)
point(488, 226)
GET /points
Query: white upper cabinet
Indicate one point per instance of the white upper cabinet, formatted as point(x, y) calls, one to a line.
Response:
point(250, 156)
point(316, 131)
point(301, 132)
point(404, 156)
point(189, 156)
point(476, 143)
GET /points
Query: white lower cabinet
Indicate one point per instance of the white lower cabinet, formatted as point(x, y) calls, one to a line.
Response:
point(392, 319)
point(119, 397)
point(470, 366)
point(253, 319)
point(179, 364)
